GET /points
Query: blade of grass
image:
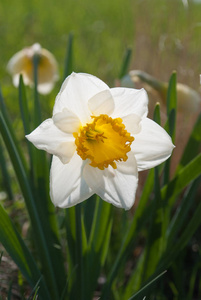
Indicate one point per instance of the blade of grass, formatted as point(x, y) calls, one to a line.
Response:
point(15, 246)
point(35, 289)
point(5, 174)
point(125, 63)
point(193, 146)
point(8, 122)
point(79, 255)
point(157, 115)
point(186, 175)
point(98, 243)
point(182, 212)
point(145, 289)
point(69, 57)
point(26, 122)
point(170, 125)
point(155, 238)
point(171, 105)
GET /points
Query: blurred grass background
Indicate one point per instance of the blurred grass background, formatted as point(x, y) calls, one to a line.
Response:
point(164, 35)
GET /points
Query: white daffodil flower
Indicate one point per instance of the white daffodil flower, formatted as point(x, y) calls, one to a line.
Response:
point(100, 138)
point(23, 63)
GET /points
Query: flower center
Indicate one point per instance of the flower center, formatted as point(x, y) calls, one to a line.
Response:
point(103, 141)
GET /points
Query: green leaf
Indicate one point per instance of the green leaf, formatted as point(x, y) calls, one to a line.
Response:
point(19, 252)
point(5, 174)
point(171, 105)
point(170, 125)
point(193, 146)
point(125, 63)
point(155, 238)
point(186, 175)
point(142, 292)
point(181, 216)
point(24, 107)
point(69, 57)
point(157, 116)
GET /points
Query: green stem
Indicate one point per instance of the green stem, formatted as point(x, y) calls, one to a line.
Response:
point(79, 254)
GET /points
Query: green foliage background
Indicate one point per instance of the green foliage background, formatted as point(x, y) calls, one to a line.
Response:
point(164, 35)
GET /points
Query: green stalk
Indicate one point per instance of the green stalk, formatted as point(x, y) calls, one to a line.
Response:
point(68, 66)
point(79, 254)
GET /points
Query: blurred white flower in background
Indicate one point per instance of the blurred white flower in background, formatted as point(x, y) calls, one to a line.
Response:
point(188, 100)
point(23, 63)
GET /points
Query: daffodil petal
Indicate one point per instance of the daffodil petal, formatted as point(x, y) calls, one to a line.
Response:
point(101, 103)
point(132, 123)
point(67, 185)
point(45, 88)
point(66, 121)
point(152, 145)
point(17, 63)
point(59, 144)
point(75, 92)
point(129, 101)
point(116, 186)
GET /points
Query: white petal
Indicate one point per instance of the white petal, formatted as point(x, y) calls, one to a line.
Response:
point(67, 185)
point(49, 138)
point(152, 145)
point(17, 62)
point(45, 88)
point(66, 121)
point(75, 92)
point(132, 123)
point(101, 103)
point(16, 79)
point(129, 101)
point(116, 186)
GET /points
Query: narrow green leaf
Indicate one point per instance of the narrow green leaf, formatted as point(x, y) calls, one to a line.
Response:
point(157, 116)
point(24, 107)
point(11, 131)
point(101, 216)
point(79, 254)
point(186, 175)
point(98, 244)
point(125, 63)
point(155, 238)
point(35, 289)
point(10, 291)
point(17, 249)
point(193, 146)
point(172, 105)
point(69, 57)
point(145, 289)
point(181, 214)
point(5, 174)
point(170, 125)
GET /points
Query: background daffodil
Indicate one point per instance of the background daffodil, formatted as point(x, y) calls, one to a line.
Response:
point(23, 63)
point(100, 138)
point(188, 100)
